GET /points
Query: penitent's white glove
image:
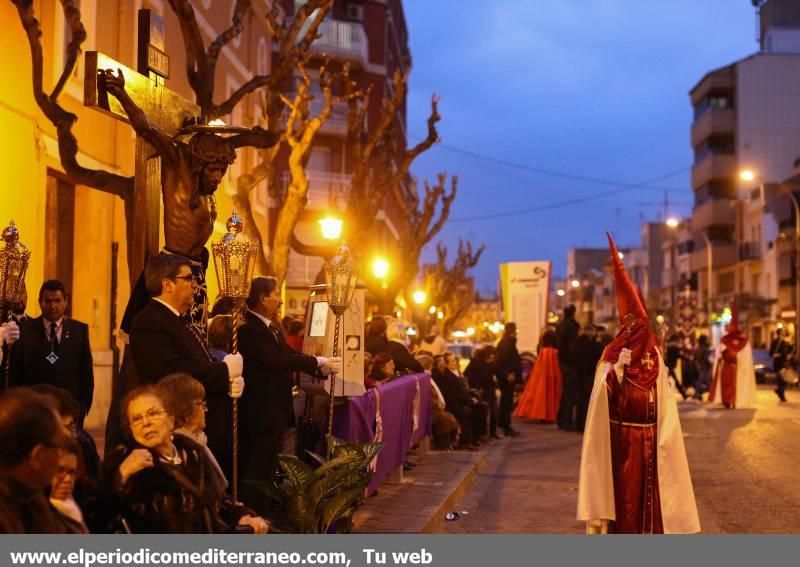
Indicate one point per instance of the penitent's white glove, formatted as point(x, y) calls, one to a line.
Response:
point(9, 332)
point(594, 527)
point(623, 360)
point(328, 366)
point(235, 364)
point(237, 387)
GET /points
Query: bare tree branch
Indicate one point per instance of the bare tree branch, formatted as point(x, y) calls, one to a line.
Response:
point(61, 119)
point(237, 25)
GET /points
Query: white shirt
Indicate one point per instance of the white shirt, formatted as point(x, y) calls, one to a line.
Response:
point(59, 327)
point(170, 307)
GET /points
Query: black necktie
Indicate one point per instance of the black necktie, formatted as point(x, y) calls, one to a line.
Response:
point(275, 333)
point(53, 338)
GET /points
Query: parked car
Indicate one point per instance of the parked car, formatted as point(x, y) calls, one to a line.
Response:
point(762, 363)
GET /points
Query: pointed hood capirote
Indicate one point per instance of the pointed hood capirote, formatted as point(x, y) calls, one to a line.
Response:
point(734, 339)
point(634, 333)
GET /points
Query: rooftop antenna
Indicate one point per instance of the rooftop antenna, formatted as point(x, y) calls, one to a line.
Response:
point(758, 4)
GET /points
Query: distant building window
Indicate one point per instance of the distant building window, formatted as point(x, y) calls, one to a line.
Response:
point(712, 102)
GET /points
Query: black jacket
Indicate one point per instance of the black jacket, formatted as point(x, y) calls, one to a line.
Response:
point(455, 392)
point(166, 498)
point(162, 343)
point(268, 365)
point(375, 344)
point(567, 332)
point(72, 370)
point(508, 360)
point(481, 376)
point(404, 361)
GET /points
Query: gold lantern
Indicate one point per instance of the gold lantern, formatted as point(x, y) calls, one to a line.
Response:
point(340, 277)
point(234, 261)
point(14, 259)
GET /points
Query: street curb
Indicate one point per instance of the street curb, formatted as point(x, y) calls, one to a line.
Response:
point(435, 521)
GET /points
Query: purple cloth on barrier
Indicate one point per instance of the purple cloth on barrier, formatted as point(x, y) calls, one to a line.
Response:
point(355, 421)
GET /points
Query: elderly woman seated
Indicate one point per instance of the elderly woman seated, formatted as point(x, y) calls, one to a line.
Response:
point(161, 484)
point(381, 372)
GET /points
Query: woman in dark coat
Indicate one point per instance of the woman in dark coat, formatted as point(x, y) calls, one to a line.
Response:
point(481, 375)
point(157, 484)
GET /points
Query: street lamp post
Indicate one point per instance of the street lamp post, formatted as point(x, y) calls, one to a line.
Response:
point(796, 270)
point(710, 276)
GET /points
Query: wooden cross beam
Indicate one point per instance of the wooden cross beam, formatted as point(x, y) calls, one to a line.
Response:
point(165, 110)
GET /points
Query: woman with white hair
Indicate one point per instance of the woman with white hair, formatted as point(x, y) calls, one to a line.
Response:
point(404, 361)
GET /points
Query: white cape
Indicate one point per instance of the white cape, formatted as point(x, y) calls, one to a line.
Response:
point(596, 484)
point(745, 379)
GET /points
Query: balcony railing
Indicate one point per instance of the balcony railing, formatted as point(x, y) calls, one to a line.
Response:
point(342, 39)
point(713, 213)
point(325, 189)
point(750, 251)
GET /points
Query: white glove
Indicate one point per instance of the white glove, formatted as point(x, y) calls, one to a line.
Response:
point(237, 387)
point(9, 332)
point(235, 364)
point(595, 527)
point(328, 366)
point(623, 360)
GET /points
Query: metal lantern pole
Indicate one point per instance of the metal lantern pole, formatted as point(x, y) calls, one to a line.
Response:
point(340, 277)
point(14, 258)
point(234, 261)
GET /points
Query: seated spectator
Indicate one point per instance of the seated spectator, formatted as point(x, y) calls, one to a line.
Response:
point(161, 484)
point(381, 372)
point(434, 342)
point(295, 333)
point(61, 490)
point(458, 401)
point(404, 361)
point(444, 424)
point(481, 376)
point(375, 338)
point(220, 336)
point(185, 399)
point(453, 363)
point(88, 458)
point(31, 438)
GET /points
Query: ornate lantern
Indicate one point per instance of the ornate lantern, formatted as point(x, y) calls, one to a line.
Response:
point(14, 259)
point(234, 261)
point(340, 277)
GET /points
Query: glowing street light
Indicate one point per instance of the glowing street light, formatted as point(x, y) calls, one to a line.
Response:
point(672, 222)
point(747, 175)
point(380, 268)
point(561, 293)
point(470, 331)
point(621, 255)
point(432, 309)
point(575, 283)
point(419, 297)
point(439, 315)
point(331, 228)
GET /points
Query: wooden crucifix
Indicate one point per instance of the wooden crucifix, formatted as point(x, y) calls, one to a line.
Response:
point(185, 173)
point(163, 110)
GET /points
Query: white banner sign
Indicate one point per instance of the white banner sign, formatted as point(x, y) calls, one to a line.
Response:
point(525, 294)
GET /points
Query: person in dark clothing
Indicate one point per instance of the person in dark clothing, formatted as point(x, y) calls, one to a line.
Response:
point(702, 360)
point(375, 340)
point(509, 373)
point(54, 349)
point(671, 358)
point(31, 438)
point(458, 401)
point(481, 375)
point(780, 349)
point(587, 353)
point(267, 409)
point(567, 332)
point(163, 341)
point(404, 361)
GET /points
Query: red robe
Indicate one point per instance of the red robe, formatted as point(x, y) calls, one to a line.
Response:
point(543, 391)
point(632, 413)
point(727, 368)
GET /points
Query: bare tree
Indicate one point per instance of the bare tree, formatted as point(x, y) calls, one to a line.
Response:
point(426, 217)
point(293, 38)
point(448, 287)
point(301, 129)
point(63, 121)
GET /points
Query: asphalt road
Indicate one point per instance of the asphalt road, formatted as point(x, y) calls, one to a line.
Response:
point(745, 466)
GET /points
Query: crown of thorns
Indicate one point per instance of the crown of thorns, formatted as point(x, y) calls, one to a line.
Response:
point(210, 148)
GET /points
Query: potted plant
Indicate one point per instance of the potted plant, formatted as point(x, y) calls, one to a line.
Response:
point(321, 500)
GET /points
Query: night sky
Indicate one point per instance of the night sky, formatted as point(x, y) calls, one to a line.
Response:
point(595, 91)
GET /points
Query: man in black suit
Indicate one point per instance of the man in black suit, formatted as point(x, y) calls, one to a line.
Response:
point(163, 340)
point(267, 410)
point(54, 349)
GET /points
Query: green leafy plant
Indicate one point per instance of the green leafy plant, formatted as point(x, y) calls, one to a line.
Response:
point(315, 499)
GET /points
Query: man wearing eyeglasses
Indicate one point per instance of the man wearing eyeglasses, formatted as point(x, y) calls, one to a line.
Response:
point(31, 438)
point(163, 340)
